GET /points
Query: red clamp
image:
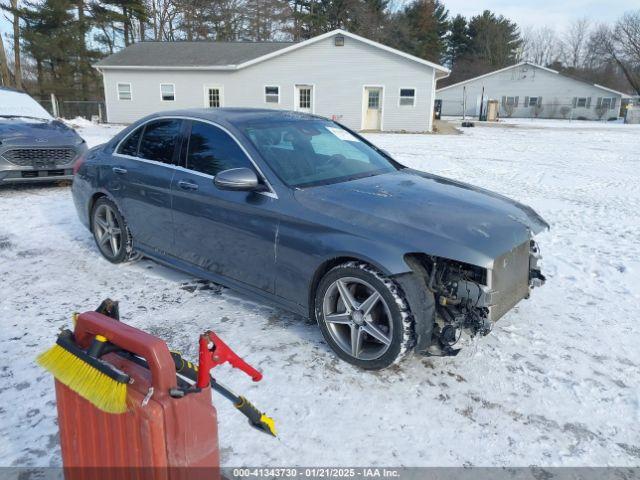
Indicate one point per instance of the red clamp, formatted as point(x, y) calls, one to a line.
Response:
point(214, 352)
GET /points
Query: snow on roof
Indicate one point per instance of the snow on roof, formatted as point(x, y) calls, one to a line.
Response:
point(20, 104)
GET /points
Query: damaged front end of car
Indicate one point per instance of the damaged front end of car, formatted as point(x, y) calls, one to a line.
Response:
point(468, 298)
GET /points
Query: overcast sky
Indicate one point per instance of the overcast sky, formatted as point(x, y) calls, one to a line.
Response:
point(552, 13)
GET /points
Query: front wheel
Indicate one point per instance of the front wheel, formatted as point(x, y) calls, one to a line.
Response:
point(363, 316)
point(110, 231)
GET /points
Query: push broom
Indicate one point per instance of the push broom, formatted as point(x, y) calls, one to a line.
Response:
point(82, 371)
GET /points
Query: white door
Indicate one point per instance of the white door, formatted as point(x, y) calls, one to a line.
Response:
point(212, 96)
point(304, 98)
point(372, 108)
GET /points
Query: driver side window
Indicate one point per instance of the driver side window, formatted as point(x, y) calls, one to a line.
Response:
point(211, 150)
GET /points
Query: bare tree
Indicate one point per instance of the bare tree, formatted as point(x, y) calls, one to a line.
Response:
point(162, 14)
point(621, 45)
point(537, 109)
point(627, 33)
point(508, 108)
point(574, 43)
point(600, 111)
point(540, 45)
point(5, 79)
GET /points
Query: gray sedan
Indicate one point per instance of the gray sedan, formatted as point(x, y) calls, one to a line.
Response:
point(33, 145)
point(299, 211)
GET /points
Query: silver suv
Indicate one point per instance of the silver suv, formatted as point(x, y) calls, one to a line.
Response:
point(33, 145)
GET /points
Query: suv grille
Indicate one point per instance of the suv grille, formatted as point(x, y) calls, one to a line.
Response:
point(510, 280)
point(40, 157)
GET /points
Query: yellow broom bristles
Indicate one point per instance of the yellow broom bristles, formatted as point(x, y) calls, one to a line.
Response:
point(102, 391)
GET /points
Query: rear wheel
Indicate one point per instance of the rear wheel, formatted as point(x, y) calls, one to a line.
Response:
point(110, 231)
point(363, 316)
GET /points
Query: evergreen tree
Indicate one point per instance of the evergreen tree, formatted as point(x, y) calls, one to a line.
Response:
point(458, 40)
point(494, 39)
point(48, 37)
point(420, 29)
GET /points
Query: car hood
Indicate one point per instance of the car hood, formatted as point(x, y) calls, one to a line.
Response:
point(28, 131)
point(428, 214)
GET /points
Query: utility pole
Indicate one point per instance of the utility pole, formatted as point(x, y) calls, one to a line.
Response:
point(464, 103)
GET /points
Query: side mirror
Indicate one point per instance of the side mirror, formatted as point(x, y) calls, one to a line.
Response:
point(243, 179)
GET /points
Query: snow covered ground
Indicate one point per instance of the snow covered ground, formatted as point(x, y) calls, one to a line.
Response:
point(556, 382)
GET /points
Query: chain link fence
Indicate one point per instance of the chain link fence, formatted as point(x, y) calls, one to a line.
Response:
point(89, 109)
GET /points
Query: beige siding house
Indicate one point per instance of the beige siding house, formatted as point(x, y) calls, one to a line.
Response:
point(529, 90)
point(360, 83)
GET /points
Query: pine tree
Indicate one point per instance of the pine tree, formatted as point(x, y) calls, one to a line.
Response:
point(420, 29)
point(494, 39)
point(458, 40)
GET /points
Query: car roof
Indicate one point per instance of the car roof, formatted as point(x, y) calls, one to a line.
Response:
point(237, 115)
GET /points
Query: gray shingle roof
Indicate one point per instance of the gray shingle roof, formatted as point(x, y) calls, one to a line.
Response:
point(189, 54)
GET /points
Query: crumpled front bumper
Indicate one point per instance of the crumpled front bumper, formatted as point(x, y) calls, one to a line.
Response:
point(511, 279)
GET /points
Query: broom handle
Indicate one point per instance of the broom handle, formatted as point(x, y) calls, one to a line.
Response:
point(152, 349)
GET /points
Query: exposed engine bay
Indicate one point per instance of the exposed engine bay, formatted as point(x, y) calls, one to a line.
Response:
point(471, 299)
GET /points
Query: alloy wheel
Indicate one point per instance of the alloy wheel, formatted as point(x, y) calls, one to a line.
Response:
point(108, 231)
point(357, 318)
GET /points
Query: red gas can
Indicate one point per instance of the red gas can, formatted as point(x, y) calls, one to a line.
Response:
point(160, 437)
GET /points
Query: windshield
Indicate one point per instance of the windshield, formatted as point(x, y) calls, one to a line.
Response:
point(304, 153)
point(19, 104)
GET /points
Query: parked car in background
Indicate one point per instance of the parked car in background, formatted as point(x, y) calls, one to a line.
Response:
point(302, 212)
point(33, 145)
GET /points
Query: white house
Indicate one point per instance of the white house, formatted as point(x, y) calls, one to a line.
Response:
point(360, 83)
point(529, 90)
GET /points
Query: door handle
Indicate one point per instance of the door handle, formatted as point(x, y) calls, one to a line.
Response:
point(119, 170)
point(183, 184)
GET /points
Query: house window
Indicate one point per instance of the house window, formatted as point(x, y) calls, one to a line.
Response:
point(582, 102)
point(512, 101)
point(339, 41)
point(374, 99)
point(167, 92)
point(272, 94)
point(533, 101)
point(305, 98)
point(408, 96)
point(608, 103)
point(213, 97)
point(124, 91)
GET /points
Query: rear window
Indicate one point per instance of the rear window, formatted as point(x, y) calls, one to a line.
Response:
point(130, 145)
point(159, 140)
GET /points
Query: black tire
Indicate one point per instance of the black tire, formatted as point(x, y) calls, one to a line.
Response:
point(399, 326)
point(124, 241)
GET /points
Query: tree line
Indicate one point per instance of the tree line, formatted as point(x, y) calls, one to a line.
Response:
point(55, 42)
